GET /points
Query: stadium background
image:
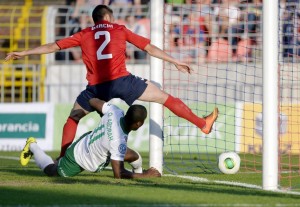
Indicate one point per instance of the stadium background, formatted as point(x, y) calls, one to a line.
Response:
point(58, 78)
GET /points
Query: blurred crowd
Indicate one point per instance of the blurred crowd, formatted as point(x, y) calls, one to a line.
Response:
point(290, 15)
point(215, 30)
point(195, 30)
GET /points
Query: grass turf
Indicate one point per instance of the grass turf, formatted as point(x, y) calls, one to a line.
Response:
point(28, 186)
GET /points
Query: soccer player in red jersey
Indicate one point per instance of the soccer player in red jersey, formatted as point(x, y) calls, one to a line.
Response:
point(103, 52)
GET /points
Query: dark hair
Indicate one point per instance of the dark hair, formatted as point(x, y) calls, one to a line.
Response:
point(135, 113)
point(100, 11)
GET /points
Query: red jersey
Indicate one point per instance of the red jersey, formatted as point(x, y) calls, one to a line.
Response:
point(103, 49)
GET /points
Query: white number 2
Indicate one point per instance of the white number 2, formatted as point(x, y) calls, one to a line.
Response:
point(106, 34)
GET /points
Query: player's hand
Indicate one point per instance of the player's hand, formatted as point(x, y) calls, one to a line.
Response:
point(152, 172)
point(183, 67)
point(14, 56)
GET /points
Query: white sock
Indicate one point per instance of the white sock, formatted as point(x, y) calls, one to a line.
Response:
point(137, 165)
point(42, 160)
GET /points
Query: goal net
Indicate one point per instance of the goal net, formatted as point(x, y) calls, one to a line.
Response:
point(223, 44)
point(289, 94)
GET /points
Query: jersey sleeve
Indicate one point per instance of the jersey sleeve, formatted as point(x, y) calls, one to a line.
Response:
point(72, 41)
point(118, 149)
point(107, 107)
point(118, 140)
point(136, 40)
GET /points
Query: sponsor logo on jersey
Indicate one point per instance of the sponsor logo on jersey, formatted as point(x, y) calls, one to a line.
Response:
point(122, 148)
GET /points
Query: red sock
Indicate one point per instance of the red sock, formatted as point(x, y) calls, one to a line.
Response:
point(180, 109)
point(68, 136)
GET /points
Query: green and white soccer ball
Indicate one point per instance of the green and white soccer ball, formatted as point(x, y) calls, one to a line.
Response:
point(229, 162)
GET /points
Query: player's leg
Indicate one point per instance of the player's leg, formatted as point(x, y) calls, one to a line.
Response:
point(134, 159)
point(67, 165)
point(51, 170)
point(70, 127)
point(42, 160)
point(131, 88)
point(80, 109)
point(154, 94)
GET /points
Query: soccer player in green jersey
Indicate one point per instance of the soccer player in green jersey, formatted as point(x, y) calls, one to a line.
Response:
point(93, 151)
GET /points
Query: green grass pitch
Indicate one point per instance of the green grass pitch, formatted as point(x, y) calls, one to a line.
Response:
point(28, 186)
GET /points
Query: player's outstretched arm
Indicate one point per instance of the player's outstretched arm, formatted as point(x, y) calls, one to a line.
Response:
point(156, 52)
point(43, 49)
point(121, 173)
point(97, 104)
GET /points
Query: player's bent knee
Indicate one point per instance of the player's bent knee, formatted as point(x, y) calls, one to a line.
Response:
point(51, 170)
point(77, 114)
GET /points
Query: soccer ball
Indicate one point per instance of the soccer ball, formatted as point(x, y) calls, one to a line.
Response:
point(229, 162)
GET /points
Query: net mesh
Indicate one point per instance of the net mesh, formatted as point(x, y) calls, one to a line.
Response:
point(289, 21)
point(223, 44)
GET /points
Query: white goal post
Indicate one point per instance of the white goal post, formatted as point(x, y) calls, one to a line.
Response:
point(270, 94)
point(156, 76)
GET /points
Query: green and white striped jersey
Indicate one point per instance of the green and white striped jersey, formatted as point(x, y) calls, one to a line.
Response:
point(107, 141)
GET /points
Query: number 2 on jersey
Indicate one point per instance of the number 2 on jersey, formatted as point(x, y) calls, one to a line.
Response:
point(106, 34)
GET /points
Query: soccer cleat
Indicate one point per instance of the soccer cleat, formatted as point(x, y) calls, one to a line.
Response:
point(210, 120)
point(26, 154)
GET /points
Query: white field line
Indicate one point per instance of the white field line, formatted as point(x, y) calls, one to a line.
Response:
point(163, 205)
point(195, 179)
point(230, 183)
point(12, 158)
point(205, 180)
